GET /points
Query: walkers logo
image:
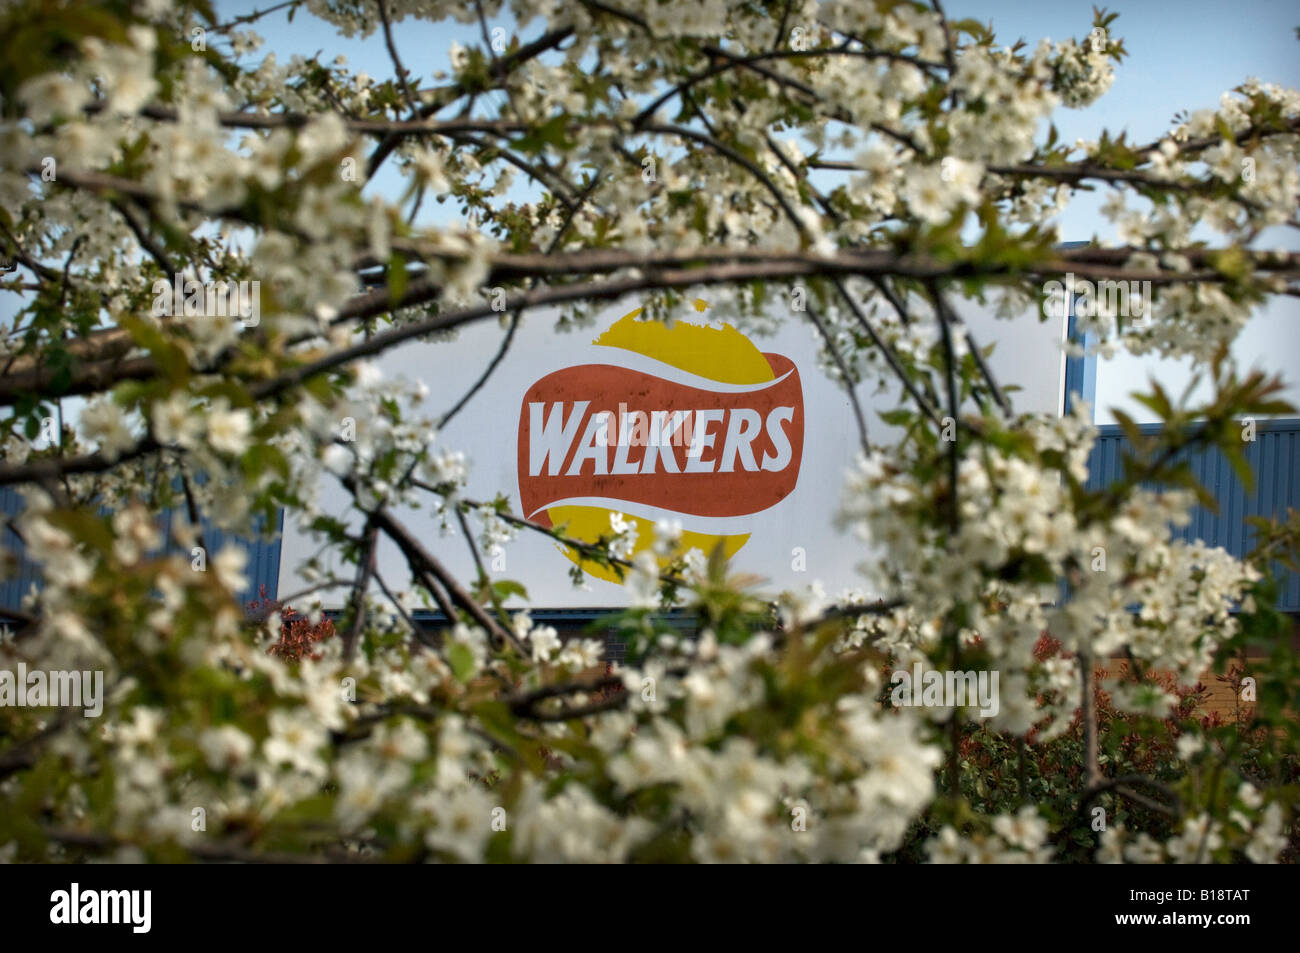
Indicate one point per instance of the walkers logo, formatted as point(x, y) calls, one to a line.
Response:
point(691, 419)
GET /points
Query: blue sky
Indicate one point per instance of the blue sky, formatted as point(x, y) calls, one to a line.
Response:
point(1182, 56)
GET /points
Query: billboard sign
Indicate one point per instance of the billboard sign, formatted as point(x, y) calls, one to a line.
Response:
point(742, 440)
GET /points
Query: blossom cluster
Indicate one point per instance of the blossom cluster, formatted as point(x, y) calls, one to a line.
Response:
point(635, 142)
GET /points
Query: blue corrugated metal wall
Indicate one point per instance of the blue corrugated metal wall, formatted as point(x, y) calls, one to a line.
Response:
point(263, 567)
point(1275, 459)
point(18, 585)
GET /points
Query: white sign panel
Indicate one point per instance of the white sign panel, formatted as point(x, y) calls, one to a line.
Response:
point(742, 440)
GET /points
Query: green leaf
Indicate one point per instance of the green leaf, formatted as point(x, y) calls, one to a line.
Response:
point(396, 277)
point(461, 659)
point(550, 133)
point(1157, 401)
point(506, 588)
point(1129, 426)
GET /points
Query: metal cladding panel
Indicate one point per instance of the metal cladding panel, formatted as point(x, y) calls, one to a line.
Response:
point(263, 568)
point(15, 587)
point(1274, 456)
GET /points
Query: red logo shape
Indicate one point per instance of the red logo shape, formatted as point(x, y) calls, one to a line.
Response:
point(608, 432)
